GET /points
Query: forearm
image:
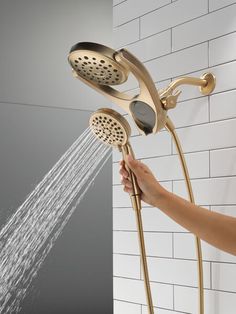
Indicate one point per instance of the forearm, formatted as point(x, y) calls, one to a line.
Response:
point(217, 229)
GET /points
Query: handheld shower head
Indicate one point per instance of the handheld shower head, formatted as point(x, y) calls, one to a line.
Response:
point(110, 127)
point(113, 129)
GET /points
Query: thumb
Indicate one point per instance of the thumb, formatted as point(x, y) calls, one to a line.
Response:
point(134, 165)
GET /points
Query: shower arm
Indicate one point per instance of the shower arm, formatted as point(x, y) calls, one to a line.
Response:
point(170, 127)
point(206, 85)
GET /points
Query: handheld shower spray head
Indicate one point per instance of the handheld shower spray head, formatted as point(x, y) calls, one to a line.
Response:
point(110, 127)
point(113, 129)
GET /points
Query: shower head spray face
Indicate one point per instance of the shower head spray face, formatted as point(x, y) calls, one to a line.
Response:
point(96, 63)
point(110, 127)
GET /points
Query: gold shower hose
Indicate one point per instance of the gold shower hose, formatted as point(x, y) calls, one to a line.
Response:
point(135, 198)
point(170, 127)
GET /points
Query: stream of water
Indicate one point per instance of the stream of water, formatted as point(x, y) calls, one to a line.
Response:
point(31, 231)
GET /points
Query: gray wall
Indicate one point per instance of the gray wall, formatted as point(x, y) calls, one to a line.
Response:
point(40, 117)
point(36, 37)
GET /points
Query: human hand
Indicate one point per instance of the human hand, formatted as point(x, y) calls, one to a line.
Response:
point(151, 190)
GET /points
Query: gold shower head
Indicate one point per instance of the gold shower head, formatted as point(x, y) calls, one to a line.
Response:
point(96, 63)
point(110, 127)
point(101, 68)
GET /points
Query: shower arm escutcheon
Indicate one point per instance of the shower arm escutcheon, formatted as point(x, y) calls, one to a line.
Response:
point(170, 127)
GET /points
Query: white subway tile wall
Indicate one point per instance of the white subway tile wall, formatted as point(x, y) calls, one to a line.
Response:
point(172, 39)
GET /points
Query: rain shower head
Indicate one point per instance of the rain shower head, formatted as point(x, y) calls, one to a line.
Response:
point(110, 127)
point(101, 68)
point(96, 63)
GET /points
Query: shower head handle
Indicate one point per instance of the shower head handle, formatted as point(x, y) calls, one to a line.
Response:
point(135, 196)
point(128, 60)
point(148, 91)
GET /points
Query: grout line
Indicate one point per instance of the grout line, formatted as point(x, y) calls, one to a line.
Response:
point(140, 261)
point(180, 50)
point(143, 39)
point(209, 164)
point(173, 245)
point(171, 39)
point(142, 15)
point(202, 205)
point(43, 106)
point(115, 5)
point(208, 53)
point(191, 179)
point(178, 258)
point(210, 275)
point(139, 25)
point(222, 7)
point(177, 25)
point(148, 231)
point(173, 296)
point(185, 153)
point(179, 285)
point(145, 306)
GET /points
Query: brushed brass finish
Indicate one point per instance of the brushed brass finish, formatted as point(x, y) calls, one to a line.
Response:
point(96, 63)
point(155, 106)
point(113, 129)
point(101, 67)
point(122, 59)
point(211, 83)
point(110, 127)
point(206, 85)
point(171, 129)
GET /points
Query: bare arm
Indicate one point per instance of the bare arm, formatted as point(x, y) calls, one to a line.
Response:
point(217, 229)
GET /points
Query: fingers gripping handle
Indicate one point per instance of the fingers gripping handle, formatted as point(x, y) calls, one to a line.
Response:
point(136, 194)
